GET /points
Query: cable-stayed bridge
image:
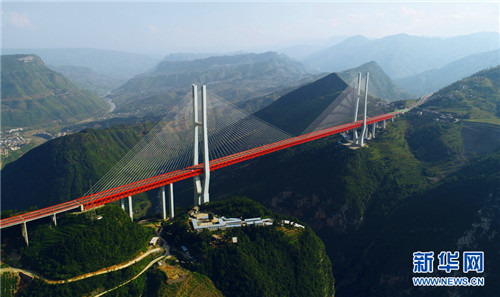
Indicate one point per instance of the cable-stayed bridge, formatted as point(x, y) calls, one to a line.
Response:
point(219, 134)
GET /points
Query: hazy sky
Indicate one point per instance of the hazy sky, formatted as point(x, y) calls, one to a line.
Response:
point(164, 27)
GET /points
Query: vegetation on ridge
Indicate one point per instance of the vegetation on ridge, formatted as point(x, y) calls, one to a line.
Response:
point(475, 98)
point(265, 261)
point(84, 243)
point(33, 95)
point(65, 168)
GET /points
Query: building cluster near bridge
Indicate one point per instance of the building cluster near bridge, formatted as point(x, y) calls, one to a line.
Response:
point(201, 221)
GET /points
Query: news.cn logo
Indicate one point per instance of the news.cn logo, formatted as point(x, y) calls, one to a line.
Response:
point(472, 261)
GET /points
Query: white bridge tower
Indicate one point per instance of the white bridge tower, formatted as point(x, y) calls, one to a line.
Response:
point(201, 194)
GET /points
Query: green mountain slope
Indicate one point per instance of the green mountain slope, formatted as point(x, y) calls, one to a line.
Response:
point(402, 182)
point(234, 78)
point(475, 98)
point(348, 197)
point(64, 168)
point(83, 243)
point(459, 214)
point(266, 261)
point(380, 85)
point(33, 95)
point(435, 79)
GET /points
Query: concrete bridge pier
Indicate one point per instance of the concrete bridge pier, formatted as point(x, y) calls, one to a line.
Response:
point(384, 124)
point(54, 219)
point(374, 127)
point(25, 233)
point(130, 211)
point(163, 204)
point(122, 203)
point(171, 200)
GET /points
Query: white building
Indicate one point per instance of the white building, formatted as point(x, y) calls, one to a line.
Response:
point(201, 222)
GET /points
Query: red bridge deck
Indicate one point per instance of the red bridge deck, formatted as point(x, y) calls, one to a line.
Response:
point(97, 199)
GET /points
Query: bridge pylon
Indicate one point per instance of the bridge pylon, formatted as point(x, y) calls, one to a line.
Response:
point(201, 190)
point(360, 140)
point(356, 109)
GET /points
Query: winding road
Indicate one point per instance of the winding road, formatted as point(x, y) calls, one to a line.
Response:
point(86, 275)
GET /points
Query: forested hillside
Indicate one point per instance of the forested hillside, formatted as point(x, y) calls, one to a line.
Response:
point(350, 196)
point(32, 94)
point(65, 168)
point(84, 243)
point(460, 213)
point(81, 243)
point(475, 98)
point(266, 261)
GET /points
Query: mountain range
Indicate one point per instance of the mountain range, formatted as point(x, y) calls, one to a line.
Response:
point(432, 80)
point(402, 55)
point(234, 78)
point(380, 85)
point(120, 65)
point(33, 94)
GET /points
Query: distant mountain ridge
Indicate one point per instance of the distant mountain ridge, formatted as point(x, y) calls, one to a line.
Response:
point(402, 55)
point(88, 79)
point(32, 94)
point(217, 61)
point(435, 79)
point(234, 78)
point(380, 85)
point(116, 64)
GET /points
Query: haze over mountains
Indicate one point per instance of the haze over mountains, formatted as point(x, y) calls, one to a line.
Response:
point(419, 65)
point(121, 65)
point(88, 79)
point(402, 55)
point(32, 94)
point(234, 78)
point(435, 79)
